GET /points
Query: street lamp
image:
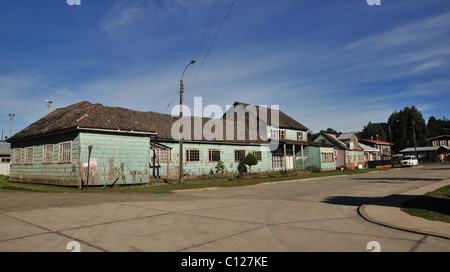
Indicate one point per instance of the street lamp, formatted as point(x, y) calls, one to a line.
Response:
point(11, 115)
point(49, 102)
point(181, 118)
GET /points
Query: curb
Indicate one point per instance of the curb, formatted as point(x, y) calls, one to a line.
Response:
point(362, 211)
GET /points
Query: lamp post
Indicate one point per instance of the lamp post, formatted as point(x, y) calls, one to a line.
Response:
point(181, 119)
point(49, 102)
point(11, 115)
point(414, 134)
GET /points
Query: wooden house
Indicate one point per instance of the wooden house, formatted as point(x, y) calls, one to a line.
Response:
point(93, 144)
point(347, 152)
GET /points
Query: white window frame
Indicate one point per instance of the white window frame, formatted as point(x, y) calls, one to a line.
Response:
point(300, 135)
point(278, 133)
point(211, 155)
point(65, 155)
point(48, 153)
point(189, 156)
point(260, 154)
point(17, 156)
point(162, 154)
point(236, 156)
point(327, 157)
point(29, 155)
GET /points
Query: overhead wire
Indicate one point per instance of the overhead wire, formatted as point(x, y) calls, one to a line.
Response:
point(212, 44)
point(206, 30)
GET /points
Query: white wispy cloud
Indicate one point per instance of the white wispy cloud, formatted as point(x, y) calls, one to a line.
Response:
point(410, 34)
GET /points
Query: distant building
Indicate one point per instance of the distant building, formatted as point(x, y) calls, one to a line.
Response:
point(347, 152)
point(428, 153)
point(5, 150)
point(384, 148)
point(438, 150)
point(442, 140)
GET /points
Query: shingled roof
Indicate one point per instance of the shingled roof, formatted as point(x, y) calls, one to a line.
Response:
point(85, 115)
point(285, 121)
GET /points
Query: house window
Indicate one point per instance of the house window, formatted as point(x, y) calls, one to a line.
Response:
point(327, 157)
point(278, 133)
point(65, 152)
point(323, 141)
point(258, 154)
point(17, 156)
point(277, 161)
point(239, 155)
point(29, 155)
point(5, 160)
point(214, 155)
point(192, 155)
point(299, 135)
point(163, 155)
point(48, 154)
point(442, 143)
point(349, 158)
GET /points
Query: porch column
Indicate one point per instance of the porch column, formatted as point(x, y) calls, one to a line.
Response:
point(303, 159)
point(293, 155)
point(284, 148)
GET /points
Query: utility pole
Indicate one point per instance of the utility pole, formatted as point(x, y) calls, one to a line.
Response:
point(181, 120)
point(414, 134)
point(390, 146)
point(11, 116)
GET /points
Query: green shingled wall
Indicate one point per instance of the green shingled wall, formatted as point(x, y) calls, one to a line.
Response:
point(123, 159)
point(39, 172)
point(205, 166)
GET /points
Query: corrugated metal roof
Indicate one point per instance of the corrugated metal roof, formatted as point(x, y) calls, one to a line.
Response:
point(5, 148)
point(367, 148)
point(423, 148)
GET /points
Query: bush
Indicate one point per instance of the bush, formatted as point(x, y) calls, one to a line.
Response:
point(242, 168)
point(250, 160)
point(220, 168)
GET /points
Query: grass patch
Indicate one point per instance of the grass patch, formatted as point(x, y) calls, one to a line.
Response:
point(432, 206)
point(7, 186)
point(204, 181)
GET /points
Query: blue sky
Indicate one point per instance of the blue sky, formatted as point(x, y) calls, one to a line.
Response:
point(326, 63)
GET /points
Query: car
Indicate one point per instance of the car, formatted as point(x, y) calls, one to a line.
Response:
point(409, 161)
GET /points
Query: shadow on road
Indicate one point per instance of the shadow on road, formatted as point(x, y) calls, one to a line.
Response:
point(395, 180)
point(435, 204)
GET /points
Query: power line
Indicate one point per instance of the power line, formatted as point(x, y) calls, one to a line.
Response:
point(212, 44)
point(206, 30)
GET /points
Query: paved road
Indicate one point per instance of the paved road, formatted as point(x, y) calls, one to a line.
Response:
point(307, 215)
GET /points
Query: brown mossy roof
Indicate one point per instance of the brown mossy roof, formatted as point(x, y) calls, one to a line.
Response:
point(85, 115)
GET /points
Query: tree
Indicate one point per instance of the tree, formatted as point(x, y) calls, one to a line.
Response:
point(437, 127)
point(375, 131)
point(250, 160)
point(313, 136)
point(405, 125)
